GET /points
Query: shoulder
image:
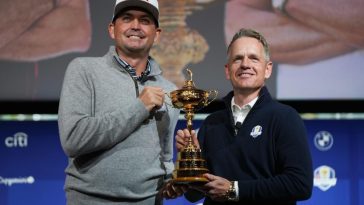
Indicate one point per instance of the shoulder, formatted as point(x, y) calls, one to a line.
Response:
point(85, 64)
point(284, 116)
point(217, 117)
point(85, 61)
point(284, 110)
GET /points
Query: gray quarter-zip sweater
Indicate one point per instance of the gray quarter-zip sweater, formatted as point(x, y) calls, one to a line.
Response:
point(118, 151)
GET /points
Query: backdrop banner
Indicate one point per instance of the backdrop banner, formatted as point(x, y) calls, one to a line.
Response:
point(33, 163)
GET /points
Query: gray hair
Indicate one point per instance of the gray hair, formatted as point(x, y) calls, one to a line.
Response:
point(253, 34)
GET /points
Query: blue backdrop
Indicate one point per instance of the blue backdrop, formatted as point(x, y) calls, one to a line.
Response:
point(32, 163)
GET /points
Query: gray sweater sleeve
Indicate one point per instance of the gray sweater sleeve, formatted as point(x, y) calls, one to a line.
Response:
point(81, 130)
point(167, 154)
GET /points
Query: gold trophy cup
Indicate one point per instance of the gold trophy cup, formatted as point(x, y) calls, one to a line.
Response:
point(190, 166)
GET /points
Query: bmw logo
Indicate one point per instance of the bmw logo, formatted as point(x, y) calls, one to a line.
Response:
point(323, 140)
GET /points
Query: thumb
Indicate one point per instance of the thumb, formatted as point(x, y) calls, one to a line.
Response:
point(210, 177)
point(194, 139)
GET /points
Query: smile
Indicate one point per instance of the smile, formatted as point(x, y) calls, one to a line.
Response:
point(135, 37)
point(245, 75)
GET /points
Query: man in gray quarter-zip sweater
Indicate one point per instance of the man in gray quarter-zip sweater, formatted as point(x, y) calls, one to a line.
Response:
point(115, 124)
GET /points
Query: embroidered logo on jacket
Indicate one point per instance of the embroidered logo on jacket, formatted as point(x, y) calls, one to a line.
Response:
point(256, 131)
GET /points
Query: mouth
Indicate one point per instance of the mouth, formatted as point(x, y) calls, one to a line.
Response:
point(137, 37)
point(245, 74)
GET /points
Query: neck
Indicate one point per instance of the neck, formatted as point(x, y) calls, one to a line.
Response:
point(139, 63)
point(242, 98)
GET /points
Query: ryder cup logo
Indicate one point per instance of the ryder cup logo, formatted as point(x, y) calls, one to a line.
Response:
point(324, 177)
point(256, 131)
point(323, 140)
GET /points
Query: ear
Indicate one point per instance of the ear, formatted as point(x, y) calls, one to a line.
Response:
point(268, 70)
point(227, 71)
point(111, 28)
point(157, 34)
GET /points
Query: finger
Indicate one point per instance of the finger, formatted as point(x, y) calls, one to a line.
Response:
point(158, 101)
point(179, 144)
point(210, 177)
point(176, 190)
point(160, 95)
point(151, 98)
point(180, 138)
point(180, 147)
point(164, 194)
point(181, 133)
point(180, 189)
point(171, 194)
point(194, 139)
point(186, 134)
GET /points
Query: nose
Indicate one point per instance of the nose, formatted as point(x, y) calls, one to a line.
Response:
point(135, 24)
point(245, 62)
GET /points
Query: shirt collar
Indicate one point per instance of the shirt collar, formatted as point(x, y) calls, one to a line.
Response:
point(235, 107)
point(240, 113)
point(132, 71)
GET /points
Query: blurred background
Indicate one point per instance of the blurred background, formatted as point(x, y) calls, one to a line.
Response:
point(317, 50)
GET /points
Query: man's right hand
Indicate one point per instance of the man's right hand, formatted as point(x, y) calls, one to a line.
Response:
point(182, 137)
point(152, 97)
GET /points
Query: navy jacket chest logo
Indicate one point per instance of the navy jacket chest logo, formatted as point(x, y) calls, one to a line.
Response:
point(256, 131)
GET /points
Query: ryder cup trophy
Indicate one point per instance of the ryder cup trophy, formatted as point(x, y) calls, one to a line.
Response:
point(190, 166)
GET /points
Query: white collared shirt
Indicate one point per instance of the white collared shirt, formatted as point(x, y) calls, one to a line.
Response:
point(240, 113)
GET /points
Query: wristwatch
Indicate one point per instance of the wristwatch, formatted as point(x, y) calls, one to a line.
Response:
point(230, 194)
point(279, 5)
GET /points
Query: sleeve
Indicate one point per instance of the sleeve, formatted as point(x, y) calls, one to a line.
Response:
point(168, 143)
point(81, 132)
point(293, 163)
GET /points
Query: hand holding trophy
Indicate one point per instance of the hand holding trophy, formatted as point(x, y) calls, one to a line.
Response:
point(190, 166)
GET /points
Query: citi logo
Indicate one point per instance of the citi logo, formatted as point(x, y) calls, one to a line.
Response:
point(20, 139)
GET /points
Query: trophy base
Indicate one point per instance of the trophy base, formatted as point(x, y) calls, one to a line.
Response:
point(191, 180)
point(190, 167)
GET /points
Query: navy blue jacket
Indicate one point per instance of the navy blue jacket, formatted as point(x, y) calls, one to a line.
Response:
point(268, 155)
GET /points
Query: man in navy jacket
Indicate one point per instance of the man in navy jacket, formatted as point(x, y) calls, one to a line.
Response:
point(256, 148)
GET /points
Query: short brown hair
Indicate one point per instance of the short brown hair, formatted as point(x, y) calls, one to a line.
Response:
point(253, 34)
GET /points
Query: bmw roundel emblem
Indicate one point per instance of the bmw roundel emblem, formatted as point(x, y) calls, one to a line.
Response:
point(323, 140)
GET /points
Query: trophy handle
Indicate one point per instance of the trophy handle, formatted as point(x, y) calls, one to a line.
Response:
point(167, 103)
point(212, 95)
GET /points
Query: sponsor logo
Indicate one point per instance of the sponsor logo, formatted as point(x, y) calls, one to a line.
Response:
point(256, 131)
point(323, 140)
point(20, 139)
point(12, 181)
point(324, 178)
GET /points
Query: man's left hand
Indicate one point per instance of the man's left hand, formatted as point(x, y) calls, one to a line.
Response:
point(171, 190)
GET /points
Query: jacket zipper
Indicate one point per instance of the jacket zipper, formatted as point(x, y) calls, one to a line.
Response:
point(134, 80)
